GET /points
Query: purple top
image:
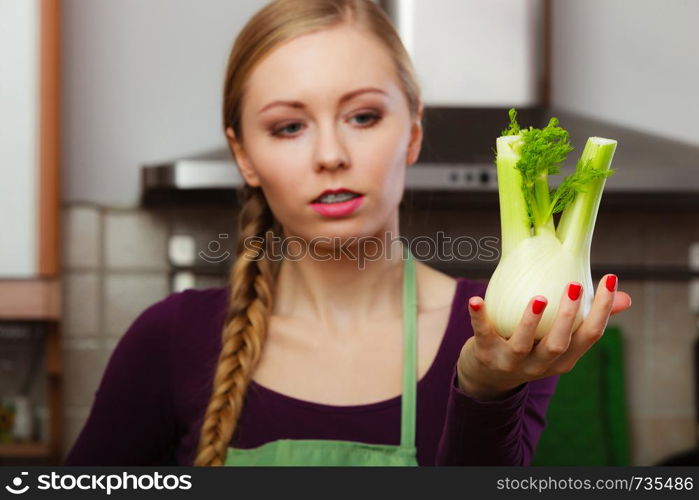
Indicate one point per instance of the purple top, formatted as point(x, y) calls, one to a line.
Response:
point(149, 405)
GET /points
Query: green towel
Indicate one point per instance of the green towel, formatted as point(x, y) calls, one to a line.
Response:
point(587, 420)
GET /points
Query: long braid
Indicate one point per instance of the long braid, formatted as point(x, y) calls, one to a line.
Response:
point(252, 284)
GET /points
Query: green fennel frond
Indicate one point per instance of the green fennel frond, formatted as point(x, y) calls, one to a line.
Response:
point(576, 183)
point(543, 150)
point(513, 128)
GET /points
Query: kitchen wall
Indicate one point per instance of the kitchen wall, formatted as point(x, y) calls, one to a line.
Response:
point(630, 62)
point(467, 36)
point(121, 58)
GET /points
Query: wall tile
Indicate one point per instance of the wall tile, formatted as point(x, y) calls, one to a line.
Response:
point(81, 303)
point(617, 239)
point(82, 343)
point(127, 295)
point(640, 441)
point(73, 422)
point(672, 319)
point(80, 237)
point(467, 222)
point(667, 237)
point(666, 375)
point(655, 439)
point(135, 240)
point(470, 223)
point(82, 372)
point(202, 281)
point(215, 231)
point(671, 382)
point(635, 340)
point(110, 343)
point(670, 435)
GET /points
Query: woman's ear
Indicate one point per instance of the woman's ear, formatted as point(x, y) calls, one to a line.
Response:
point(246, 169)
point(415, 143)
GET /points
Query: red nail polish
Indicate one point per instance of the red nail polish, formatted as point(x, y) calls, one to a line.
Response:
point(610, 283)
point(574, 291)
point(475, 306)
point(538, 306)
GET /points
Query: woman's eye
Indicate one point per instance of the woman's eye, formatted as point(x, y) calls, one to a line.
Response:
point(291, 128)
point(367, 118)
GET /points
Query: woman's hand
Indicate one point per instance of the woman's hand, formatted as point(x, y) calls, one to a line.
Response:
point(491, 367)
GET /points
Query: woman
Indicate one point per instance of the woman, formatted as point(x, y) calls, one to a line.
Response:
point(314, 360)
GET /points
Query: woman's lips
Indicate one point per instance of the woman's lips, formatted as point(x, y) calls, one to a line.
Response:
point(339, 209)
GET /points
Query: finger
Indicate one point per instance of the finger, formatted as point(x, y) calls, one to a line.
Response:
point(482, 329)
point(622, 301)
point(557, 340)
point(593, 326)
point(522, 339)
point(602, 305)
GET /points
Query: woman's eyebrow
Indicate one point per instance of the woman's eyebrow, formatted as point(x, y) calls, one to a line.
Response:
point(345, 97)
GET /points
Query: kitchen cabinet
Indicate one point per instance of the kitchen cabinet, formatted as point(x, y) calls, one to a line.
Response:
point(29, 138)
point(29, 194)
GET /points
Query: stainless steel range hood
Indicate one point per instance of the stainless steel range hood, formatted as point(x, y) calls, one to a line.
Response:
point(456, 165)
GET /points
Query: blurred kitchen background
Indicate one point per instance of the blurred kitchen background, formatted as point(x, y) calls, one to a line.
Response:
point(117, 189)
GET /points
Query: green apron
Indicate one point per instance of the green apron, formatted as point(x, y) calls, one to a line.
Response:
point(325, 452)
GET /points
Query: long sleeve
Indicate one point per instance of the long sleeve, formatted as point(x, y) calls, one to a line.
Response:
point(501, 432)
point(132, 420)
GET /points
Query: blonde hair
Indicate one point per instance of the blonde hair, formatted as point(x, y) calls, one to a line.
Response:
point(252, 275)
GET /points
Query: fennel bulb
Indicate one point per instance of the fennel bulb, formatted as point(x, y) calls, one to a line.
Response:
point(537, 257)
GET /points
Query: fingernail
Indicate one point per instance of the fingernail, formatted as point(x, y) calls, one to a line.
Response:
point(538, 306)
point(610, 283)
point(476, 306)
point(574, 291)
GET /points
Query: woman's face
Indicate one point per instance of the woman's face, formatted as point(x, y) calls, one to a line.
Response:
point(326, 111)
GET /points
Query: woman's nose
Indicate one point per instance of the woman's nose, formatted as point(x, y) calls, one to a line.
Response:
point(330, 151)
